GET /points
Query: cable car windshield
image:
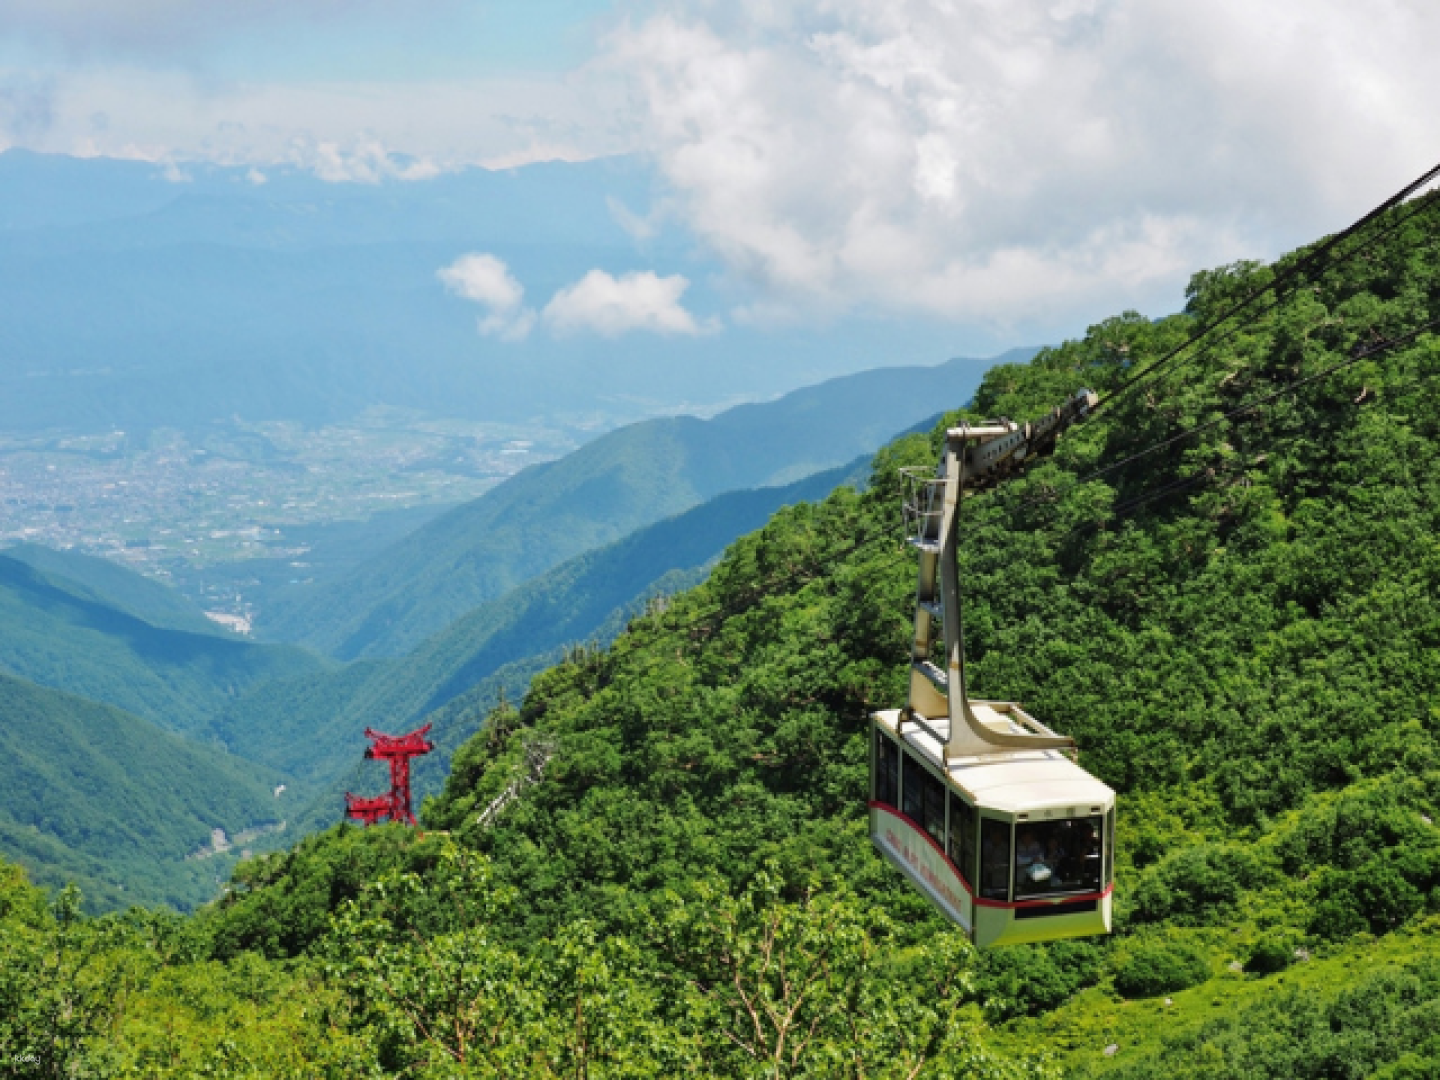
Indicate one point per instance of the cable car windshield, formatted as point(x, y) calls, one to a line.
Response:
point(1058, 857)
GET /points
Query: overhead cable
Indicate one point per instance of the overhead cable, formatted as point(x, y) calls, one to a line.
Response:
point(1301, 266)
point(1354, 358)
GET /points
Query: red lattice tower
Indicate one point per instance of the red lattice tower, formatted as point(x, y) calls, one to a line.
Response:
point(397, 750)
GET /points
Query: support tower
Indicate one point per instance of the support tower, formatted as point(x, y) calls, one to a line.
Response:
point(397, 750)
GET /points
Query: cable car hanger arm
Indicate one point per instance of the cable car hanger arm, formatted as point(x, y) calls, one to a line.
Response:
point(976, 456)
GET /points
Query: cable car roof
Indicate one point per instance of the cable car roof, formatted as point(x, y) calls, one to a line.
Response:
point(1038, 784)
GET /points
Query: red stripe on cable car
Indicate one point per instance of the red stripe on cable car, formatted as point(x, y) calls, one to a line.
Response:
point(979, 901)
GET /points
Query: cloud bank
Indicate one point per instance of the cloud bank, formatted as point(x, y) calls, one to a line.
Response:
point(1018, 167)
point(980, 160)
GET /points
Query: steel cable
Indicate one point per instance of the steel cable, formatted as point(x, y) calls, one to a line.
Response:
point(1305, 264)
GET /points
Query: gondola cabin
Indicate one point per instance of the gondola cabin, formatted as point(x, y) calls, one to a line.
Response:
point(1014, 847)
point(981, 806)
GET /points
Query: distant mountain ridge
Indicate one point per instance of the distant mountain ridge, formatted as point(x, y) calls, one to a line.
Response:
point(622, 481)
point(157, 604)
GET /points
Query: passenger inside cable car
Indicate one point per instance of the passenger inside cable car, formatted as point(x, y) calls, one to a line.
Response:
point(1058, 857)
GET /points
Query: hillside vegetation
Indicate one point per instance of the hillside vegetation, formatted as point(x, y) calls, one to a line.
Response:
point(94, 795)
point(156, 603)
point(61, 634)
point(1242, 629)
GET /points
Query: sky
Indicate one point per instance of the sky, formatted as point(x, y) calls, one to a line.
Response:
point(1004, 167)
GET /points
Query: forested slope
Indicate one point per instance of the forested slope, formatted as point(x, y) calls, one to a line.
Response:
point(61, 634)
point(90, 793)
point(1241, 626)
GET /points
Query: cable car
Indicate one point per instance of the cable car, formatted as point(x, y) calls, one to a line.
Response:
point(981, 806)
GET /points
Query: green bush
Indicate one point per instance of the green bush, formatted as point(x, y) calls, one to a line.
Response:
point(1031, 979)
point(1146, 967)
point(1269, 955)
point(1376, 898)
point(1195, 885)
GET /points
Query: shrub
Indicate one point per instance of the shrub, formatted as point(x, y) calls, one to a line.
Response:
point(1195, 885)
point(1269, 955)
point(1375, 898)
point(1151, 966)
point(1031, 979)
point(1386, 899)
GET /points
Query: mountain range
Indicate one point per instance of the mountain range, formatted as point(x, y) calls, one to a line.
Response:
point(619, 482)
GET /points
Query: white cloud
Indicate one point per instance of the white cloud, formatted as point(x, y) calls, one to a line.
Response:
point(611, 306)
point(982, 159)
point(366, 161)
point(485, 280)
point(1013, 165)
point(345, 131)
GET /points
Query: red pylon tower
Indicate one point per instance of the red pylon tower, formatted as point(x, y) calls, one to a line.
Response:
point(397, 750)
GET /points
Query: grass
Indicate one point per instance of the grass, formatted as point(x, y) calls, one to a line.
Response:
point(1150, 1028)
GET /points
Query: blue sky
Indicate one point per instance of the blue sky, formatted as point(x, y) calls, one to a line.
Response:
point(1009, 169)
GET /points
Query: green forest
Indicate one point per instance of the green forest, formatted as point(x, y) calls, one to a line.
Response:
point(277, 719)
point(1225, 586)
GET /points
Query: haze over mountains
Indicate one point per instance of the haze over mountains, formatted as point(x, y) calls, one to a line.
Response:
point(139, 297)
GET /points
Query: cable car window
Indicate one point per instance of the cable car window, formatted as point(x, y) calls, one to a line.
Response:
point(914, 807)
point(1109, 847)
point(962, 837)
point(994, 859)
point(1058, 856)
point(934, 821)
point(887, 770)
